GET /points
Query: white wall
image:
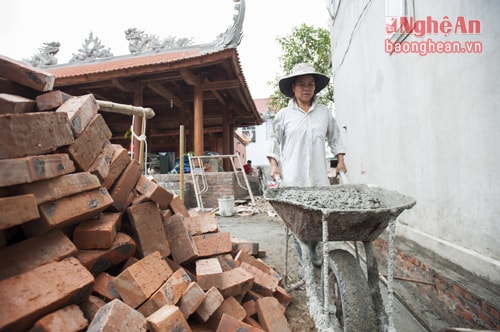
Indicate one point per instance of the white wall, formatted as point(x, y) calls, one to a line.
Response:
point(427, 126)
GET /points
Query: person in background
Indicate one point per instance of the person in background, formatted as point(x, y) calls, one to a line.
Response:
point(298, 134)
point(248, 167)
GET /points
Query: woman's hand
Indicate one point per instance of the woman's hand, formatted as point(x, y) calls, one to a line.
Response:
point(275, 170)
point(341, 164)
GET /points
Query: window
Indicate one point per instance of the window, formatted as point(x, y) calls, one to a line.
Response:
point(394, 10)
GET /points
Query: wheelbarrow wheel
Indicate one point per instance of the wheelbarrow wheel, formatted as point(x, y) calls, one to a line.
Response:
point(350, 294)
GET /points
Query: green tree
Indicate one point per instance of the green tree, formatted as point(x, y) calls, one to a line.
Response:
point(304, 44)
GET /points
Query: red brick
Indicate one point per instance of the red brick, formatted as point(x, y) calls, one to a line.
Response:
point(244, 256)
point(235, 282)
point(25, 74)
point(118, 316)
point(30, 253)
point(51, 100)
point(98, 232)
point(148, 229)
point(104, 288)
point(166, 214)
point(264, 283)
point(177, 206)
point(168, 318)
point(252, 322)
point(33, 134)
point(191, 299)
point(125, 184)
point(140, 199)
point(154, 192)
point(85, 149)
point(283, 296)
point(62, 186)
point(100, 166)
point(201, 224)
point(15, 104)
point(17, 210)
point(252, 248)
point(181, 242)
point(250, 307)
point(213, 243)
point(226, 262)
point(212, 301)
point(208, 272)
point(80, 111)
point(35, 168)
point(270, 314)
point(90, 306)
point(231, 307)
point(67, 319)
point(229, 323)
point(169, 293)
point(252, 296)
point(118, 163)
point(130, 261)
point(97, 261)
point(69, 210)
point(139, 281)
point(31, 295)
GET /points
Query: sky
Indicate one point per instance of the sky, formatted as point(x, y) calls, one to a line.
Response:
point(25, 25)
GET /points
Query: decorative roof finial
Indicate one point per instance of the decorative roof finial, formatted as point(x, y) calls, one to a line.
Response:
point(232, 37)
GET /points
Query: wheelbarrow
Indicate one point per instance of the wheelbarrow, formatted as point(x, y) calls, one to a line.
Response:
point(346, 300)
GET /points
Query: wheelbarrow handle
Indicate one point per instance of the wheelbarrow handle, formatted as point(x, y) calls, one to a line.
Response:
point(343, 178)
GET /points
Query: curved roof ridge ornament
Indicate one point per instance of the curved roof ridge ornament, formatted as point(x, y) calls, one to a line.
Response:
point(232, 37)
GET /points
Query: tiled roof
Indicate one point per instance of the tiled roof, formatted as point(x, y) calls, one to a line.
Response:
point(121, 63)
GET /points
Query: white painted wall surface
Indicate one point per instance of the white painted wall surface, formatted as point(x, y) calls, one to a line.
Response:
point(427, 126)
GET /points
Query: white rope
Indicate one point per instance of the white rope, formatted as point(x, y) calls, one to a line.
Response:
point(141, 138)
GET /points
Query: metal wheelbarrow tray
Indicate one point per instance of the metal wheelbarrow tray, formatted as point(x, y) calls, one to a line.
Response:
point(354, 212)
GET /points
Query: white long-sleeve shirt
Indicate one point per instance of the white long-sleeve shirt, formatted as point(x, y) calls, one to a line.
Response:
point(298, 143)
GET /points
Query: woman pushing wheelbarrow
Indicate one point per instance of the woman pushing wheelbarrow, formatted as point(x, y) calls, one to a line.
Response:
point(297, 152)
point(315, 211)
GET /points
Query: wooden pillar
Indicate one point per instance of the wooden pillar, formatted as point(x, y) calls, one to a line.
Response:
point(198, 121)
point(138, 146)
point(227, 135)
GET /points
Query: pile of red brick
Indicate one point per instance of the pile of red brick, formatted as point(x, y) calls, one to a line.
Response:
point(87, 242)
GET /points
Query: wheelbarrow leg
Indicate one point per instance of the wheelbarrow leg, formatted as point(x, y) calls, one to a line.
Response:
point(373, 284)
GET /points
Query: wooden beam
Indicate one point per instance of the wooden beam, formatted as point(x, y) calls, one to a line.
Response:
point(227, 84)
point(165, 93)
point(189, 77)
point(219, 97)
point(125, 85)
point(108, 106)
